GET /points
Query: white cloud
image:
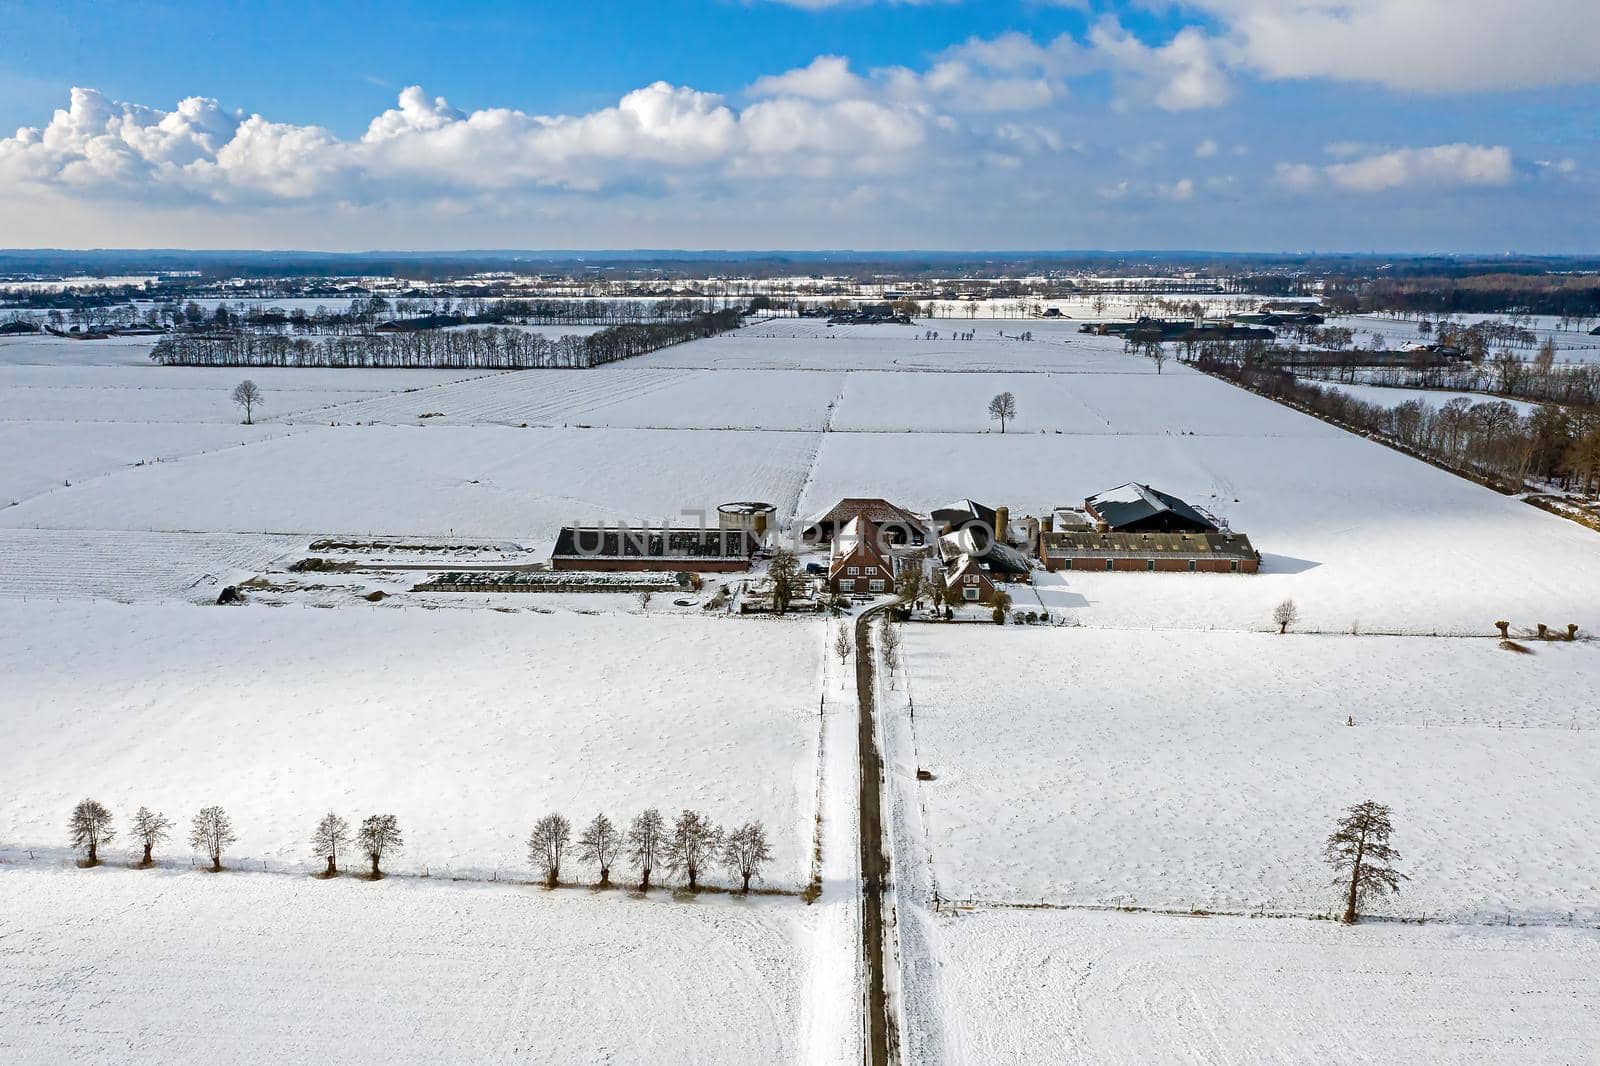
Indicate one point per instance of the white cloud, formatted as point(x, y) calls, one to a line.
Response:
point(824, 78)
point(1435, 45)
point(1437, 166)
point(1184, 74)
point(1206, 149)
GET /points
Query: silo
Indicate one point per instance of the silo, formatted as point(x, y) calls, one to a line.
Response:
point(751, 516)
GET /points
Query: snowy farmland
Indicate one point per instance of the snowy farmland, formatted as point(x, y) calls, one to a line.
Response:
point(1128, 988)
point(1204, 770)
point(404, 970)
point(279, 715)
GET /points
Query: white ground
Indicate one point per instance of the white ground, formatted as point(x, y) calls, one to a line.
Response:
point(167, 965)
point(1021, 987)
point(468, 725)
point(1388, 396)
point(1204, 770)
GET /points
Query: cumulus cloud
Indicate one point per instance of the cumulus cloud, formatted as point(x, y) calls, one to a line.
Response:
point(1184, 74)
point(824, 78)
point(1437, 166)
point(1433, 45)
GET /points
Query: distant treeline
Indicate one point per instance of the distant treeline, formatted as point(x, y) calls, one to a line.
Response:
point(1488, 441)
point(1574, 297)
point(488, 348)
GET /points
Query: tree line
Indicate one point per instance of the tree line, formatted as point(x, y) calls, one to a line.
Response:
point(1489, 440)
point(688, 849)
point(488, 348)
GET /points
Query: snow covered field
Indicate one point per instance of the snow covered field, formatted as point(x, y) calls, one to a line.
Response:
point(174, 965)
point(1394, 397)
point(1204, 770)
point(1025, 986)
point(468, 725)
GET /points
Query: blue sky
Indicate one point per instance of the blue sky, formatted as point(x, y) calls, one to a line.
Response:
point(1403, 125)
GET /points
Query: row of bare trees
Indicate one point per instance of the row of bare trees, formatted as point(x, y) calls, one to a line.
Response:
point(689, 848)
point(1491, 440)
point(489, 348)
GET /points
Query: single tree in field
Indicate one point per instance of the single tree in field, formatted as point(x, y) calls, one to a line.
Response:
point(150, 828)
point(646, 841)
point(841, 644)
point(693, 846)
point(1156, 353)
point(1004, 408)
point(378, 836)
point(745, 852)
point(599, 844)
point(546, 844)
point(90, 826)
point(331, 837)
point(1285, 614)
point(1359, 849)
point(784, 572)
point(210, 833)
point(247, 395)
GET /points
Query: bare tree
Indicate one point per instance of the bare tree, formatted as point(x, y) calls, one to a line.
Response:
point(745, 852)
point(910, 583)
point(1360, 845)
point(841, 644)
point(210, 833)
point(1156, 352)
point(247, 395)
point(599, 844)
point(150, 828)
point(547, 844)
point(90, 826)
point(378, 836)
point(889, 640)
point(646, 841)
point(1004, 408)
point(332, 836)
point(783, 570)
point(693, 845)
point(1285, 614)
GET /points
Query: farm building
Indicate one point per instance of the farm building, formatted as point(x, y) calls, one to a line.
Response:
point(860, 563)
point(622, 548)
point(1204, 553)
point(970, 580)
point(1136, 508)
point(897, 525)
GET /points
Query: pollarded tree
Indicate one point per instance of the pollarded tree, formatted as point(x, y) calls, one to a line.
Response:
point(1004, 408)
point(646, 841)
point(745, 852)
point(332, 836)
point(247, 395)
point(149, 829)
point(693, 846)
point(1285, 614)
point(600, 844)
point(90, 826)
point(378, 836)
point(210, 833)
point(1359, 849)
point(546, 844)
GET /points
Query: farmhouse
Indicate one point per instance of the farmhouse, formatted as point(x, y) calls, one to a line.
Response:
point(860, 563)
point(620, 547)
point(970, 580)
point(898, 525)
point(1204, 553)
point(1136, 508)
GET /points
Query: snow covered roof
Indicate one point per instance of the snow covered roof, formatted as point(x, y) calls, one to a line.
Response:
point(1135, 504)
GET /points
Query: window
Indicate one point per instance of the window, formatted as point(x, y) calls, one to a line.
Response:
point(971, 579)
point(847, 585)
point(875, 586)
point(1149, 564)
point(852, 570)
point(971, 592)
point(1234, 567)
point(1191, 566)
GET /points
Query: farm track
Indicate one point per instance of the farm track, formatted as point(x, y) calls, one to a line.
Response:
point(882, 1045)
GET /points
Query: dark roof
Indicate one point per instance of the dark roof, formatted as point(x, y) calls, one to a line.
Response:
point(1133, 503)
point(621, 542)
point(963, 513)
point(874, 510)
point(1148, 545)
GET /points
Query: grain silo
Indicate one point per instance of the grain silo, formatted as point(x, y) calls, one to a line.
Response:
point(753, 517)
